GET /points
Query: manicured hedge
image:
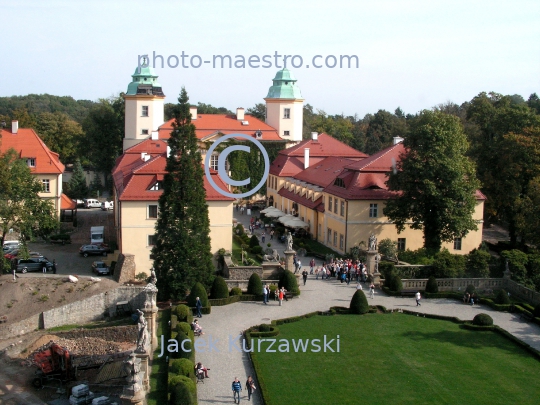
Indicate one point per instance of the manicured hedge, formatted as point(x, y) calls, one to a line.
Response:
point(182, 389)
point(219, 288)
point(236, 291)
point(183, 313)
point(359, 304)
point(183, 367)
point(482, 320)
point(497, 307)
point(254, 285)
point(198, 290)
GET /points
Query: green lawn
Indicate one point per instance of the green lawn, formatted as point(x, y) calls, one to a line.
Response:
point(160, 367)
point(398, 359)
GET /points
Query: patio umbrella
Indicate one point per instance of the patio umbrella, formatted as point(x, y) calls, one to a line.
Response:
point(268, 209)
point(286, 218)
point(274, 214)
point(296, 223)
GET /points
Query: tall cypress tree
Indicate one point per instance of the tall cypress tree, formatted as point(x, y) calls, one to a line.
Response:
point(182, 254)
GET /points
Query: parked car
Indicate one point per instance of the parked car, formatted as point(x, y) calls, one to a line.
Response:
point(87, 250)
point(100, 268)
point(10, 244)
point(91, 203)
point(33, 264)
point(80, 203)
point(107, 205)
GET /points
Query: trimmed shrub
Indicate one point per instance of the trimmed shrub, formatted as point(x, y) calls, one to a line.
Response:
point(219, 288)
point(183, 390)
point(470, 289)
point(183, 367)
point(183, 327)
point(483, 320)
point(359, 304)
point(188, 346)
point(236, 291)
point(431, 285)
point(256, 250)
point(264, 327)
point(239, 229)
point(447, 265)
point(253, 241)
point(386, 269)
point(502, 298)
point(198, 290)
point(288, 280)
point(254, 285)
point(393, 282)
point(184, 314)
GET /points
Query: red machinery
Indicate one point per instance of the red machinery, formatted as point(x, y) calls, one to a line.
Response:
point(53, 363)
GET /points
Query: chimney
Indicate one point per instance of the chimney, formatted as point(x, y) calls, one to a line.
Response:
point(398, 139)
point(143, 155)
point(14, 126)
point(314, 136)
point(193, 112)
point(155, 135)
point(306, 158)
point(240, 114)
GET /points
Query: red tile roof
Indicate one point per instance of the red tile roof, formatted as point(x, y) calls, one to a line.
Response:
point(211, 124)
point(306, 202)
point(133, 177)
point(67, 203)
point(290, 161)
point(29, 145)
point(324, 172)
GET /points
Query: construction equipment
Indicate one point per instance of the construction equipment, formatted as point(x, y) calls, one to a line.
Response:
point(54, 363)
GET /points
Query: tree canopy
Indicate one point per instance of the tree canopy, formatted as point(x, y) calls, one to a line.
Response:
point(436, 182)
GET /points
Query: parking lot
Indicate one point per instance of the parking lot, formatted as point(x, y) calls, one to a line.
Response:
point(67, 257)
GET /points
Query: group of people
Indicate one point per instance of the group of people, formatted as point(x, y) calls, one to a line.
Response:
point(343, 270)
point(279, 294)
point(470, 298)
point(237, 388)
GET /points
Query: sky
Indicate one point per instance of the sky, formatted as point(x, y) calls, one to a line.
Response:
point(414, 54)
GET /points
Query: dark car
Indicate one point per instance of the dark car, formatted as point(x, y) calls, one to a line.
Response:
point(100, 268)
point(33, 264)
point(96, 250)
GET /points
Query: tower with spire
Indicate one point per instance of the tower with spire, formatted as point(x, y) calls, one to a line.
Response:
point(145, 103)
point(285, 106)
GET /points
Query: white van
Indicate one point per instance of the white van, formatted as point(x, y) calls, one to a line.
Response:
point(10, 244)
point(91, 203)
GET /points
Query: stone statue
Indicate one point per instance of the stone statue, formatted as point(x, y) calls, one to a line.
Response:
point(153, 278)
point(274, 257)
point(289, 241)
point(372, 244)
point(377, 260)
point(142, 335)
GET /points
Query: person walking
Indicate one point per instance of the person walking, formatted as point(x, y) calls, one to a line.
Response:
point(236, 388)
point(304, 276)
point(418, 297)
point(15, 276)
point(311, 266)
point(372, 290)
point(198, 305)
point(263, 236)
point(44, 268)
point(359, 286)
point(272, 234)
point(265, 295)
point(54, 266)
point(250, 387)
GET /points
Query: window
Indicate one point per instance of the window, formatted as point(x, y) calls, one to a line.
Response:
point(373, 210)
point(335, 238)
point(144, 111)
point(286, 133)
point(342, 211)
point(341, 241)
point(156, 186)
point(46, 185)
point(286, 113)
point(330, 204)
point(339, 183)
point(31, 162)
point(214, 162)
point(145, 132)
point(329, 237)
point(401, 245)
point(151, 240)
point(319, 233)
point(457, 244)
point(335, 205)
point(152, 211)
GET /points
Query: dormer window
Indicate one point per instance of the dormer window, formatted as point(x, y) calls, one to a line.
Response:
point(31, 162)
point(339, 183)
point(157, 186)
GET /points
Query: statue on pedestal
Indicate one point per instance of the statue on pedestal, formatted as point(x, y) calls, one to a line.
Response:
point(153, 278)
point(289, 241)
point(372, 244)
point(142, 335)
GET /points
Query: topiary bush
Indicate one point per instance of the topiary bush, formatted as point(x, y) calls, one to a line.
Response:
point(183, 367)
point(483, 320)
point(431, 285)
point(183, 390)
point(219, 288)
point(359, 304)
point(470, 289)
point(264, 327)
point(393, 282)
point(289, 282)
point(236, 291)
point(184, 314)
point(183, 327)
point(256, 250)
point(502, 298)
point(254, 285)
point(198, 290)
point(187, 352)
point(253, 241)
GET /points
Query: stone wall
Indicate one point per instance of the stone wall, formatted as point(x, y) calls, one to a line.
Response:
point(125, 268)
point(90, 309)
point(244, 272)
point(522, 292)
point(456, 284)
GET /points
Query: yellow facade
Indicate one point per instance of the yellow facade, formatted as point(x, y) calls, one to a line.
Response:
point(52, 182)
